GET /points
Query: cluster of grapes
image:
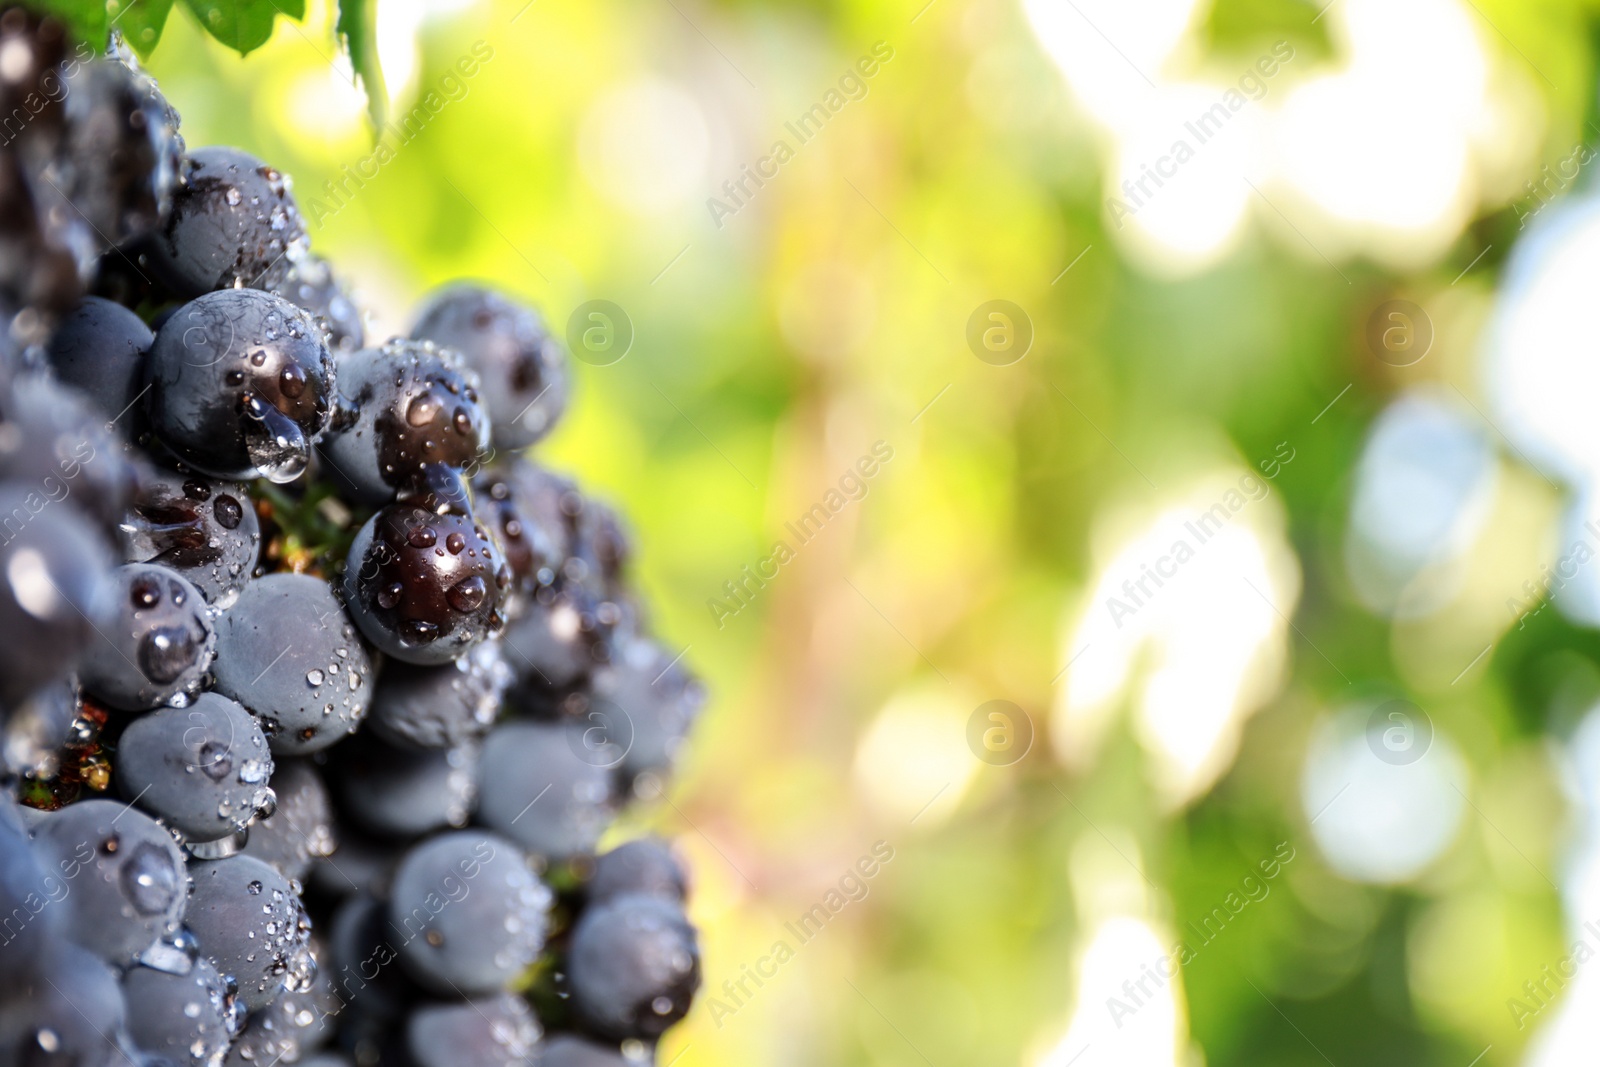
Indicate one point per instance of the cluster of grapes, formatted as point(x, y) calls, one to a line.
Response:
point(317, 693)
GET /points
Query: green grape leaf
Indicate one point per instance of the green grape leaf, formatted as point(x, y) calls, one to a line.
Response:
point(141, 22)
point(357, 22)
point(244, 25)
point(86, 19)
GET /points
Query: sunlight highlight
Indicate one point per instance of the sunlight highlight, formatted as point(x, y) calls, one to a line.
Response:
point(1121, 951)
point(913, 762)
point(1189, 618)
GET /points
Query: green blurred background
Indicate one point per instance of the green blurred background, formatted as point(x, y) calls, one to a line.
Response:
point(1161, 758)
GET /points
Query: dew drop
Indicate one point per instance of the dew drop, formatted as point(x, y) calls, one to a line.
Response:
point(150, 880)
point(468, 594)
point(423, 410)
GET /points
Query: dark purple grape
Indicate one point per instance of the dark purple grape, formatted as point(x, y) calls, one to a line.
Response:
point(544, 786)
point(204, 529)
point(364, 968)
point(562, 636)
point(293, 1026)
point(522, 366)
point(289, 654)
point(187, 1016)
point(531, 512)
point(68, 1011)
point(158, 646)
point(575, 1050)
point(416, 423)
point(233, 221)
point(645, 865)
point(122, 153)
point(300, 830)
point(241, 385)
point(202, 769)
point(424, 587)
point(396, 792)
point(440, 707)
point(53, 575)
point(491, 1032)
point(633, 966)
point(46, 249)
point(124, 873)
point(310, 284)
point(100, 350)
point(468, 913)
point(31, 891)
point(60, 450)
point(661, 699)
point(252, 926)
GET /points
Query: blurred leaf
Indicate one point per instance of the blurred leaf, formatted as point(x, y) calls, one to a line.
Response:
point(85, 18)
point(243, 25)
point(141, 23)
point(357, 23)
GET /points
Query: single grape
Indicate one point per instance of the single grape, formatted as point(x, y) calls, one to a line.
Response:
point(417, 423)
point(202, 769)
point(575, 1050)
point(644, 865)
point(548, 786)
point(396, 792)
point(251, 926)
point(233, 221)
point(60, 451)
point(124, 874)
point(204, 529)
point(120, 163)
point(309, 283)
point(296, 1024)
point(660, 697)
point(288, 653)
point(522, 366)
point(100, 349)
point(443, 706)
point(364, 968)
point(158, 646)
point(531, 512)
point(603, 544)
point(49, 250)
point(563, 635)
point(241, 385)
point(300, 830)
point(187, 1017)
point(469, 914)
point(490, 1032)
point(422, 587)
point(68, 1010)
point(633, 966)
point(31, 890)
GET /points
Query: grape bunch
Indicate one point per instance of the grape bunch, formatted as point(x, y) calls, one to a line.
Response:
point(318, 695)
